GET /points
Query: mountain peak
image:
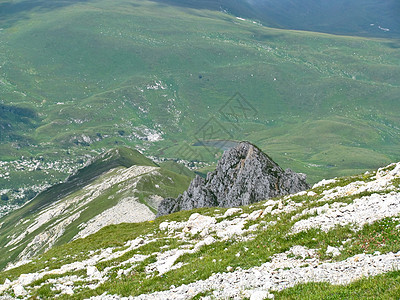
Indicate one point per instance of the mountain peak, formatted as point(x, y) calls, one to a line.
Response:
point(243, 175)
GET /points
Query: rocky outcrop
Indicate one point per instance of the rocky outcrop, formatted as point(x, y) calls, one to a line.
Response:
point(244, 175)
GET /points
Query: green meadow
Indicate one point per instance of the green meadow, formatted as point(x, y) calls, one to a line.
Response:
point(84, 76)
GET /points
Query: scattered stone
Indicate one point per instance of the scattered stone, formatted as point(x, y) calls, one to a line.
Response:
point(261, 295)
point(230, 212)
point(365, 210)
point(281, 273)
point(255, 215)
point(163, 226)
point(333, 251)
point(199, 223)
point(296, 266)
point(19, 290)
point(324, 182)
point(93, 272)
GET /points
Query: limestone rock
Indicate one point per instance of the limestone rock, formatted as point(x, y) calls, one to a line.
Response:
point(244, 175)
point(332, 251)
point(19, 290)
point(198, 223)
point(261, 295)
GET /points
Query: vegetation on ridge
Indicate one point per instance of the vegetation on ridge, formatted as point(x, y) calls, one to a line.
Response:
point(257, 246)
point(77, 188)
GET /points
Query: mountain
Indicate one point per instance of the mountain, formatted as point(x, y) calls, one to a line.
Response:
point(79, 78)
point(119, 186)
point(243, 175)
point(339, 239)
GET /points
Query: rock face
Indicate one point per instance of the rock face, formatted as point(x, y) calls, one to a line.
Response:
point(244, 175)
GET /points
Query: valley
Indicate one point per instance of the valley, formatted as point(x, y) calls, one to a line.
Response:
point(81, 78)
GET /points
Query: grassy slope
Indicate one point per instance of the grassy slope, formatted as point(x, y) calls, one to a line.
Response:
point(120, 157)
point(170, 183)
point(85, 68)
point(381, 235)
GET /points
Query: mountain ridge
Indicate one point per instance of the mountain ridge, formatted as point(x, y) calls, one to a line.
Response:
point(118, 186)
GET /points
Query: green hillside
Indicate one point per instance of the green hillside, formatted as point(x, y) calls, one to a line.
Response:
point(282, 246)
point(60, 213)
point(80, 77)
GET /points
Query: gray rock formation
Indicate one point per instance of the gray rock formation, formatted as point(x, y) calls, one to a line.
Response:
point(244, 175)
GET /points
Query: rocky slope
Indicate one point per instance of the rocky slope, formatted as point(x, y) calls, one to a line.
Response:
point(119, 186)
point(244, 175)
point(340, 231)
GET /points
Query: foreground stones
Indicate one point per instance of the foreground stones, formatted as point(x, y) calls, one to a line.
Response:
point(323, 209)
point(282, 272)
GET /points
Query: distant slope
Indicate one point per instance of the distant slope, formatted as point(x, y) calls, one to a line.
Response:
point(372, 18)
point(338, 240)
point(160, 75)
point(121, 185)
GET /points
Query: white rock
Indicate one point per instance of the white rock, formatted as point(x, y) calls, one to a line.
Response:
point(302, 193)
point(365, 210)
point(270, 203)
point(261, 295)
point(198, 223)
point(67, 290)
point(231, 212)
point(92, 272)
point(253, 227)
point(324, 182)
point(255, 215)
point(207, 241)
point(26, 279)
point(166, 260)
point(127, 210)
point(163, 226)
point(268, 210)
point(302, 251)
point(396, 170)
point(333, 251)
point(231, 230)
point(19, 290)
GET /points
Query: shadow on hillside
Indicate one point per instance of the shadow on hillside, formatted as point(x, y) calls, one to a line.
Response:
point(335, 17)
point(12, 12)
point(14, 120)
